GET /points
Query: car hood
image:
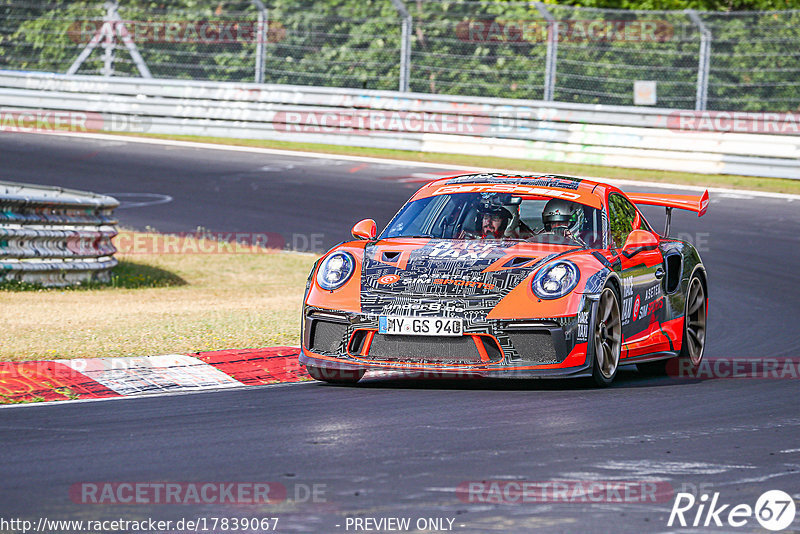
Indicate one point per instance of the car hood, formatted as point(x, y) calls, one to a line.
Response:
point(476, 269)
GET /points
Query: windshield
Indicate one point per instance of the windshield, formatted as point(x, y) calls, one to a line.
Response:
point(498, 216)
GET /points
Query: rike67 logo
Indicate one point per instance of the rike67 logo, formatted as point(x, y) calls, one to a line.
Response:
point(774, 510)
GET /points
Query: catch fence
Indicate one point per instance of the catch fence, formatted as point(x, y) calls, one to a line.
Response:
point(737, 61)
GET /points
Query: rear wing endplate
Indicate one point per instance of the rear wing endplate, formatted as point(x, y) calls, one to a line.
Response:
point(697, 204)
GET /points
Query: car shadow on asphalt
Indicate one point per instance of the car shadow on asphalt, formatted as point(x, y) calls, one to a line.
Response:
point(627, 377)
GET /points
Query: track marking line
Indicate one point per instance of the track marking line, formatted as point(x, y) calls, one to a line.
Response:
point(358, 168)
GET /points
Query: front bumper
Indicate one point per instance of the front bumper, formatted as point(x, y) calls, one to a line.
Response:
point(523, 348)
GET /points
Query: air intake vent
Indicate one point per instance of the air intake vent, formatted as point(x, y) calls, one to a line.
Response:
point(327, 336)
point(391, 256)
point(534, 346)
point(518, 261)
point(357, 342)
point(673, 272)
point(492, 348)
point(421, 348)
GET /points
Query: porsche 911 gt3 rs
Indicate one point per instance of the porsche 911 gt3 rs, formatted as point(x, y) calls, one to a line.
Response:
point(492, 275)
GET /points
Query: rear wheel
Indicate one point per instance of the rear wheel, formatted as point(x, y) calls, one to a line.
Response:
point(694, 328)
point(607, 338)
point(335, 376)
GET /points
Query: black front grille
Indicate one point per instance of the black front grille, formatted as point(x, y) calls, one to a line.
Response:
point(327, 336)
point(534, 346)
point(444, 349)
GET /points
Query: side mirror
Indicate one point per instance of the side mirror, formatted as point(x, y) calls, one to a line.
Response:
point(639, 240)
point(366, 229)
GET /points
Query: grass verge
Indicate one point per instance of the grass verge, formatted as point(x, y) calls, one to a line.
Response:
point(778, 185)
point(161, 304)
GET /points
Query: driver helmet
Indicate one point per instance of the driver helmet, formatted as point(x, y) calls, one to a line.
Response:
point(558, 210)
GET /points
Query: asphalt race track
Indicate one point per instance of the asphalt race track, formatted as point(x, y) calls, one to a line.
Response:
point(401, 448)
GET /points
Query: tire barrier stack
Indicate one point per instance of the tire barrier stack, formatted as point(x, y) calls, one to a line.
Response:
point(55, 237)
point(750, 144)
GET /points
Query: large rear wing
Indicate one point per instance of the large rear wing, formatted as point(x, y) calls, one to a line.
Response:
point(697, 204)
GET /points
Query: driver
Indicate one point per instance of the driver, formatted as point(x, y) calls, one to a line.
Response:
point(556, 217)
point(557, 213)
point(494, 221)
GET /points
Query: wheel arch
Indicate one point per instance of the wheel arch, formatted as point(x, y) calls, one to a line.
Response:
point(613, 280)
point(700, 271)
point(613, 283)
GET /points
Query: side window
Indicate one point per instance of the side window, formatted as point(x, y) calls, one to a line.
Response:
point(622, 216)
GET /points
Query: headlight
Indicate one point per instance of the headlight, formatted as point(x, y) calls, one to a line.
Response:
point(335, 270)
point(556, 280)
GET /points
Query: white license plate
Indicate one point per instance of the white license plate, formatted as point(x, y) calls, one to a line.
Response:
point(421, 326)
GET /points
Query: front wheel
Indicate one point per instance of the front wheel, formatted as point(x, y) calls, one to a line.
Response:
point(607, 338)
point(335, 376)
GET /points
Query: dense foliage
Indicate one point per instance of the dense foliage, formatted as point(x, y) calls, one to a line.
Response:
point(468, 48)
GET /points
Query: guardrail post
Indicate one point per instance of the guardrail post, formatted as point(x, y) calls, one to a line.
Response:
point(405, 44)
point(703, 67)
point(552, 52)
point(261, 39)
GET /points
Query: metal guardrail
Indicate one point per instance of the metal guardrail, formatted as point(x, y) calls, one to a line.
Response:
point(54, 236)
point(646, 138)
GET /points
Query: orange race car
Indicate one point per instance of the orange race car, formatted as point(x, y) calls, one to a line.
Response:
point(494, 275)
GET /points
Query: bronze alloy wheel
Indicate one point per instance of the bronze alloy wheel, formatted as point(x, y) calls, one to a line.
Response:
point(694, 333)
point(694, 339)
point(607, 338)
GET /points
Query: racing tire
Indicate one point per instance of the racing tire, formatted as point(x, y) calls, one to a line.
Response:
point(344, 377)
point(694, 336)
point(694, 324)
point(607, 338)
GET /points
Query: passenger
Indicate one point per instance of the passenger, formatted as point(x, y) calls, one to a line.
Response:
point(494, 221)
point(490, 223)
